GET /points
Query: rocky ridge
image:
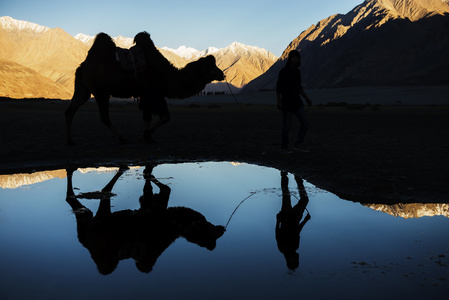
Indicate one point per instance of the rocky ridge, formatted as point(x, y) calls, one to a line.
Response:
point(380, 42)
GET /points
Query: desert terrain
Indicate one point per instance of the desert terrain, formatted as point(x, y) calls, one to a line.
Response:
point(382, 145)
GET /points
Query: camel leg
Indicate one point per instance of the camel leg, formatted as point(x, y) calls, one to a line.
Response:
point(80, 210)
point(103, 107)
point(162, 120)
point(147, 119)
point(153, 104)
point(149, 130)
point(104, 209)
point(110, 185)
point(70, 193)
point(81, 96)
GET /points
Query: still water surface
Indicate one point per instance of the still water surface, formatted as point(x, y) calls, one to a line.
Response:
point(212, 230)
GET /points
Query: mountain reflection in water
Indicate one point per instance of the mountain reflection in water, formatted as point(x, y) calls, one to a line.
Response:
point(403, 210)
point(211, 231)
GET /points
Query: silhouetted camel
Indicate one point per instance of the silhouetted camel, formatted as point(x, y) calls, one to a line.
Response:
point(102, 75)
point(142, 234)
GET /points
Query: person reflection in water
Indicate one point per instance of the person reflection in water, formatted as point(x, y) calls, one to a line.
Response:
point(142, 234)
point(288, 222)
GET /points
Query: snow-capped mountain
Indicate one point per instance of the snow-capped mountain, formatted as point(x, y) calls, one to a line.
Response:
point(185, 52)
point(120, 41)
point(208, 51)
point(242, 49)
point(235, 48)
point(123, 42)
point(86, 39)
point(10, 24)
point(190, 53)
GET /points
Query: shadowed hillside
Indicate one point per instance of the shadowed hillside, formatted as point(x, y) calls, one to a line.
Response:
point(23, 82)
point(380, 42)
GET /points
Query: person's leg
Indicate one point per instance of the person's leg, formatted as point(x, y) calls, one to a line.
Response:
point(301, 114)
point(286, 125)
point(286, 200)
point(303, 198)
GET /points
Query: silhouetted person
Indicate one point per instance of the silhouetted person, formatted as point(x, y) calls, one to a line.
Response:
point(288, 92)
point(142, 234)
point(149, 200)
point(288, 222)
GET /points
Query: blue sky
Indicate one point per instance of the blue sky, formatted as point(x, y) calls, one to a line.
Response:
point(199, 24)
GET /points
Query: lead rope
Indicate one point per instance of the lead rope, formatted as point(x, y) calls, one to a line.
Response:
point(252, 194)
point(233, 96)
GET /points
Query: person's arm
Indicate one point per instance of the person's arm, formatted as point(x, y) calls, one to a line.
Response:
point(306, 219)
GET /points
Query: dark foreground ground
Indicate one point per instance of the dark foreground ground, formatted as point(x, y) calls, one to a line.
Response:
point(396, 154)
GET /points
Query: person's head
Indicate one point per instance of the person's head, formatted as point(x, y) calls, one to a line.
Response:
point(294, 59)
point(292, 260)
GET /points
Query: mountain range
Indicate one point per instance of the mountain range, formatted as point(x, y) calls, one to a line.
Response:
point(379, 42)
point(191, 53)
point(38, 61)
point(240, 63)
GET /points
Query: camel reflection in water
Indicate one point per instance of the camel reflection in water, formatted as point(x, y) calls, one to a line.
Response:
point(142, 234)
point(288, 221)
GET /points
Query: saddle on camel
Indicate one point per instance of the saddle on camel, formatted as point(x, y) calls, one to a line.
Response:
point(131, 59)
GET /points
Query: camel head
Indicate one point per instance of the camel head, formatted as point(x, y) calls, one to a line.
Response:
point(194, 227)
point(204, 234)
point(208, 69)
point(192, 79)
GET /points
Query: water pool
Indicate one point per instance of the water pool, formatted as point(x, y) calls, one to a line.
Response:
point(211, 230)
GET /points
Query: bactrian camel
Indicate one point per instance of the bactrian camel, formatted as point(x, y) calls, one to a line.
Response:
point(151, 79)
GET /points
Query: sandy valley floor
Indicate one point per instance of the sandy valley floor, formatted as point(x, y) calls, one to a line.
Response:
point(388, 154)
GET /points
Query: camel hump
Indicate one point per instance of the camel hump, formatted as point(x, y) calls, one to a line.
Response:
point(131, 59)
point(102, 43)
